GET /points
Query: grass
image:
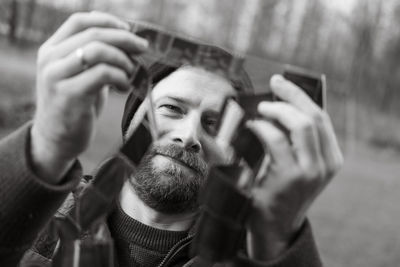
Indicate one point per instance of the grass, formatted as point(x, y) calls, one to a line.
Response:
point(355, 220)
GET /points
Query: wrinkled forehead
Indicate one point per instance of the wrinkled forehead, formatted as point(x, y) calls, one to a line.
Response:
point(195, 83)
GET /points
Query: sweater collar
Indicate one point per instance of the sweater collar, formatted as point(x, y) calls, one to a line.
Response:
point(130, 230)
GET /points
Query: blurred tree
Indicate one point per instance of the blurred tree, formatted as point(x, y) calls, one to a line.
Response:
point(27, 20)
point(298, 22)
point(390, 64)
point(265, 28)
point(365, 25)
point(13, 21)
point(306, 45)
point(274, 40)
point(361, 79)
point(247, 25)
point(31, 7)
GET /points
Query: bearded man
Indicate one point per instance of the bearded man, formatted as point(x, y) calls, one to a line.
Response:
point(151, 222)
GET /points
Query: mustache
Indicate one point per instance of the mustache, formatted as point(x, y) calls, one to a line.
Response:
point(187, 157)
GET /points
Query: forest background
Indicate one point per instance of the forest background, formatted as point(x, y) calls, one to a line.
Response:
point(355, 43)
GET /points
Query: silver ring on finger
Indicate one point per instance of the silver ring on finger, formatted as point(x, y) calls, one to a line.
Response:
point(81, 57)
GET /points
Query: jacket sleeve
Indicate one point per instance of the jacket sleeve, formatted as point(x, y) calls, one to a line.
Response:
point(27, 203)
point(302, 253)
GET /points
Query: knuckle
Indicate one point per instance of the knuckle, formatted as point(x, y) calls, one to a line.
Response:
point(306, 125)
point(325, 118)
point(103, 72)
point(76, 19)
point(310, 178)
point(93, 33)
point(313, 170)
point(43, 56)
point(297, 174)
point(335, 166)
point(278, 138)
point(47, 74)
point(108, 74)
point(96, 47)
point(313, 173)
point(296, 177)
point(127, 38)
point(318, 116)
point(57, 87)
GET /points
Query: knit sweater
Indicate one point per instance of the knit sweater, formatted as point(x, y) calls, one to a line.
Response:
point(138, 244)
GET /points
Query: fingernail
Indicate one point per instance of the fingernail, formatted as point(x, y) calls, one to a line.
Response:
point(263, 106)
point(144, 43)
point(249, 123)
point(276, 79)
point(125, 26)
point(131, 68)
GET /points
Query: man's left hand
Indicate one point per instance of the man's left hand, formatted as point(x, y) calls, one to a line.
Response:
point(304, 156)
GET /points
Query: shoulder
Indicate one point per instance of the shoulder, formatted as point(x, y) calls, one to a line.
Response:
point(47, 240)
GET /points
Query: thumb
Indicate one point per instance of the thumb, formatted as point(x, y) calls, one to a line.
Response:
point(101, 100)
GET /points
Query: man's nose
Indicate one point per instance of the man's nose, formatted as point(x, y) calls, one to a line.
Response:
point(187, 135)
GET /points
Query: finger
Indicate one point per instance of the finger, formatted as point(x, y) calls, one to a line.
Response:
point(138, 118)
point(329, 145)
point(101, 100)
point(81, 21)
point(94, 53)
point(291, 93)
point(92, 80)
point(275, 141)
point(303, 134)
point(124, 40)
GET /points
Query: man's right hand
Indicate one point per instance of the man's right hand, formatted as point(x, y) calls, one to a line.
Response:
point(75, 65)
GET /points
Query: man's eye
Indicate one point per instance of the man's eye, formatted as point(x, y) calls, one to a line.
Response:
point(209, 125)
point(210, 122)
point(172, 108)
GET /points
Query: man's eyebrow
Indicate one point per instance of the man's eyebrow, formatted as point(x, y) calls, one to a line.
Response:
point(188, 101)
point(179, 99)
point(212, 113)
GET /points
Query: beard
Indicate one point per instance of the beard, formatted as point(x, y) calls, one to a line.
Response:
point(170, 188)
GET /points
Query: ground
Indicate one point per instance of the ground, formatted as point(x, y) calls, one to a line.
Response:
point(355, 220)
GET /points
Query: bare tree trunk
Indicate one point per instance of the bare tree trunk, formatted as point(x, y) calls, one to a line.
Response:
point(13, 21)
point(245, 28)
point(30, 14)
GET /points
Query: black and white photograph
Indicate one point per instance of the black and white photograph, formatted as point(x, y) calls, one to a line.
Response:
point(204, 133)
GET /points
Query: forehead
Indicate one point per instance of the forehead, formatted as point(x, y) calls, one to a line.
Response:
point(194, 83)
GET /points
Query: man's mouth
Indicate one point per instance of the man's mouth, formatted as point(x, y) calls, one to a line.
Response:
point(182, 163)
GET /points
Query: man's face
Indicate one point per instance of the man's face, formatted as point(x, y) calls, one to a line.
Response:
point(186, 108)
